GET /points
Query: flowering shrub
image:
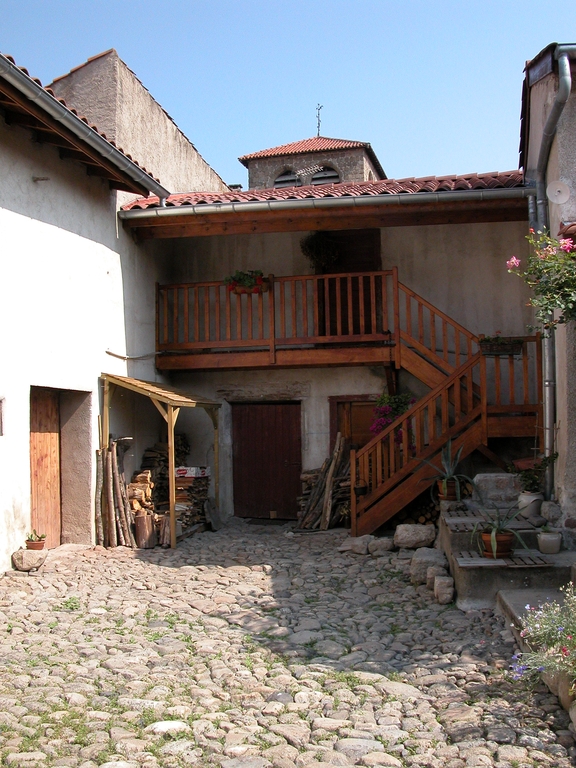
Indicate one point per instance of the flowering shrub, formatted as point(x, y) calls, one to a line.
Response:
point(550, 631)
point(551, 272)
point(388, 409)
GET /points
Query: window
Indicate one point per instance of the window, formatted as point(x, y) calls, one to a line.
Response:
point(287, 179)
point(326, 176)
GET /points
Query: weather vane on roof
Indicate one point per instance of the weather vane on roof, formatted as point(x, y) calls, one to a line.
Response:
point(318, 108)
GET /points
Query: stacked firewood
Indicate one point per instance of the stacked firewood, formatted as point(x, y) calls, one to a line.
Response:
point(155, 459)
point(192, 484)
point(114, 522)
point(325, 501)
point(140, 492)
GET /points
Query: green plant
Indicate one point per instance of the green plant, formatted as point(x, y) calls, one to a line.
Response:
point(550, 631)
point(550, 271)
point(33, 536)
point(321, 249)
point(498, 339)
point(249, 279)
point(532, 480)
point(497, 522)
point(71, 604)
point(448, 473)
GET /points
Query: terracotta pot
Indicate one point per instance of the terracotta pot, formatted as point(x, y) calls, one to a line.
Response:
point(35, 544)
point(450, 490)
point(504, 544)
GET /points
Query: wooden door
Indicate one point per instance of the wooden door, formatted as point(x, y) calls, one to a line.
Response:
point(45, 464)
point(354, 419)
point(267, 459)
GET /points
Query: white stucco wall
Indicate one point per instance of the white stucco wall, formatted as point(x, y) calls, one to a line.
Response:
point(72, 288)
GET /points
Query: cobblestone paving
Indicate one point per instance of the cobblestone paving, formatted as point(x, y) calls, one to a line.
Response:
point(256, 647)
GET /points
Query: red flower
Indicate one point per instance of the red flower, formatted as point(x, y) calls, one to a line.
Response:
point(564, 650)
point(259, 280)
point(231, 287)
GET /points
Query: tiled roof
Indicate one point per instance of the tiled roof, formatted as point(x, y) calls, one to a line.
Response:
point(473, 181)
point(81, 117)
point(315, 144)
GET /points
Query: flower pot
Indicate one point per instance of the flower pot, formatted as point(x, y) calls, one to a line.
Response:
point(35, 544)
point(549, 542)
point(504, 543)
point(498, 348)
point(529, 503)
point(450, 494)
point(262, 287)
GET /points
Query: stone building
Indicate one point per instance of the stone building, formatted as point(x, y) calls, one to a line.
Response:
point(314, 161)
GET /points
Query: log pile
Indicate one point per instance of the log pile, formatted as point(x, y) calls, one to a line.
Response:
point(155, 459)
point(325, 501)
point(114, 521)
point(192, 484)
point(140, 492)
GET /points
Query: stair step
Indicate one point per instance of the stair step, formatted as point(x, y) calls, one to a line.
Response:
point(521, 558)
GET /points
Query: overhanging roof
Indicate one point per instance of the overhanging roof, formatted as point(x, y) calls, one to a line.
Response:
point(162, 393)
point(25, 102)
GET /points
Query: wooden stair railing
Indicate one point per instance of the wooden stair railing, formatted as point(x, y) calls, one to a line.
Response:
point(388, 471)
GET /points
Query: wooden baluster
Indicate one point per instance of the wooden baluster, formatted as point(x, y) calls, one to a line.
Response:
point(217, 311)
point(445, 340)
point(457, 342)
point(392, 452)
point(445, 414)
point(511, 382)
point(468, 347)
point(470, 389)
point(293, 305)
point(378, 464)
point(373, 315)
point(405, 442)
point(260, 315)
point(419, 431)
point(420, 323)
point(525, 373)
point(431, 421)
point(186, 329)
point(338, 307)
point(305, 327)
point(349, 279)
point(250, 301)
point(353, 508)
point(408, 314)
point(386, 460)
point(175, 318)
point(206, 313)
point(457, 398)
point(362, 328)
point(228, 299)
point(282, 288)
point(396, 329)
point(165, 303)
point(196, 315)
point(433, 332)
point(239, 315)
point(328, 329)
point(497, 381)
point(272, 318)
point(315, 305)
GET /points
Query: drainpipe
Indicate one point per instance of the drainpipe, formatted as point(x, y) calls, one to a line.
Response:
point(563, 54)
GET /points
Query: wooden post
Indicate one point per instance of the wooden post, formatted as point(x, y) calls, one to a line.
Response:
point(172, 415)
point(397, 347)
point(105, 435)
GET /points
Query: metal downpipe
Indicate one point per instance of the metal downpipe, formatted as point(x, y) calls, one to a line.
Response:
point(549, 351)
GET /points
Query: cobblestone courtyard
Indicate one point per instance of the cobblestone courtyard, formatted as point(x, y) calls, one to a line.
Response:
point(256, 647)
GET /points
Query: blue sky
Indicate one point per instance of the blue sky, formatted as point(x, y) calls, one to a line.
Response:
point(434, 86)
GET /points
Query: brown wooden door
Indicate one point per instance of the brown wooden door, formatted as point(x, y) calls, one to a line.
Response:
point(267, 459)
point(45, 464)
point(354, 420)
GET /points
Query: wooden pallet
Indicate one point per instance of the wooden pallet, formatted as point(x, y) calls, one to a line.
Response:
point(465, 523)
point(521, 558)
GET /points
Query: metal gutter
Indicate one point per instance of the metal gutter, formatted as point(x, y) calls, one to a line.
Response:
point(37, 94)
point(358, 201)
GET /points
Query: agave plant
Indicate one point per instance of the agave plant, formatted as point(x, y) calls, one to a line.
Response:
point(448, 473)
point(498, 521)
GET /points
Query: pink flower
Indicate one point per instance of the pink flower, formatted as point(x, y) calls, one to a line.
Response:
point(513, 263)
point(566, 245)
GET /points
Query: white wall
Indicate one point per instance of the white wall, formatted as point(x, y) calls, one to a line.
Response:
point(72, 287)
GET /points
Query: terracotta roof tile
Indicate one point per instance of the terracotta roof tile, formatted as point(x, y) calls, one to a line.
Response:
point(80, 117)
point(315, 144)
point(495, 180)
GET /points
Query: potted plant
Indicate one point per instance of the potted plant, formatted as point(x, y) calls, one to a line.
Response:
point(35, 540)
point(531, 481)
point(496, 536)
point(322, 251)
point(251, 281)
point(549, 540)
point(448, 481)
point(494, 346)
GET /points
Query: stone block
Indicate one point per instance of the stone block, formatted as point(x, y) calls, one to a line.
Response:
point(359, 545)
point(29, 559)
point(444, 589)
point(432, 572)
point(498, 487)
point(414, 536)
point(424, 558)
point(378, 547)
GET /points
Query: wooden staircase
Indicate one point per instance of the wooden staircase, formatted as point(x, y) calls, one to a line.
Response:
point(472, 398)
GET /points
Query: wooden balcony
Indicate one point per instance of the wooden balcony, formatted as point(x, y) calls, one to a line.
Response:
point(304, 320)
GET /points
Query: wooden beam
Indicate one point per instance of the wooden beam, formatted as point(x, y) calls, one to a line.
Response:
point(172, 415)
point(368, 217)
point(108, 389)
point(162, 410)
